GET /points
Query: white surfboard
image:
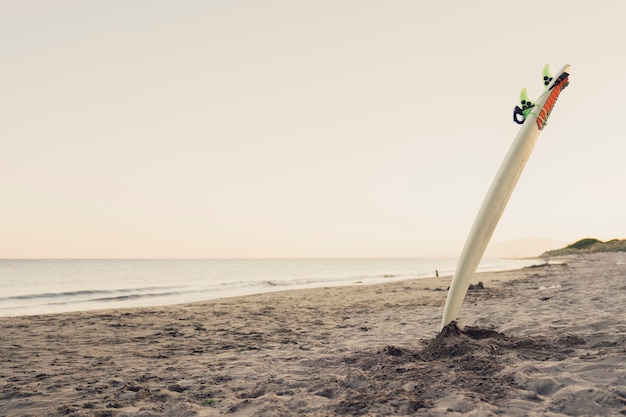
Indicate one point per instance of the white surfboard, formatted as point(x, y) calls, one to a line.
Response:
point(534, 119)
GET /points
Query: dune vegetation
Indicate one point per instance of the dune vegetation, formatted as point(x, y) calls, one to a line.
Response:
point(589, 245)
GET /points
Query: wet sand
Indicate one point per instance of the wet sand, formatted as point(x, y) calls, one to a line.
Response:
point(547, 340)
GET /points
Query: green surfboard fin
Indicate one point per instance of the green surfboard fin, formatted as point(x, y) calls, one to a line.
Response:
point(525, 104)
point(547, 76)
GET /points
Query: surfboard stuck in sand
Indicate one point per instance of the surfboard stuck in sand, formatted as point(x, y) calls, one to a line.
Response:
point(533, 117)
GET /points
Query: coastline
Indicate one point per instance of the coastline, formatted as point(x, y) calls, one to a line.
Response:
point(33, 287)
point(554, 346)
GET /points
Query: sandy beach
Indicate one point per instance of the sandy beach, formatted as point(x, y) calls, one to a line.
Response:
point(547, 340)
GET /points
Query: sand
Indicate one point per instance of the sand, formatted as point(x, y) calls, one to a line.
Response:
point(547, 340)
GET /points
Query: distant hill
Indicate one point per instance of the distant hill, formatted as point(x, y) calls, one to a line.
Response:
point(527, 247)
point(589, 245)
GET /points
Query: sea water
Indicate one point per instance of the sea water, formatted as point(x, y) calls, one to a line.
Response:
point(41, 286)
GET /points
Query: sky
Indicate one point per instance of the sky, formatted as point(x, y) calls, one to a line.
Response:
point(277, 129)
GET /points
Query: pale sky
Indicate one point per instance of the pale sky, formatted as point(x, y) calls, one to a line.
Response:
point(210, 129)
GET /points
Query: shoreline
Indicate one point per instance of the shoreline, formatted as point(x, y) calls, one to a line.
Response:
point(556, 346)
point(205, 283)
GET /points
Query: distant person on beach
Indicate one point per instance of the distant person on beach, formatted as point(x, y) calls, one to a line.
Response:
point(437, 273)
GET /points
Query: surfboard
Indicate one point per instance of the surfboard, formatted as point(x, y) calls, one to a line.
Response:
point(533, 118)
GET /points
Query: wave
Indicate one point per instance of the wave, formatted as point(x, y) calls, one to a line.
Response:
point(315, 281)
point(136, 296)
point(79, 293)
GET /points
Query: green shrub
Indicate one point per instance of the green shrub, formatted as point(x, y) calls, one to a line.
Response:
point(583, 243)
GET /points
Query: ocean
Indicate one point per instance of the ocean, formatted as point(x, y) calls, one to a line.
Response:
point(42, 286)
